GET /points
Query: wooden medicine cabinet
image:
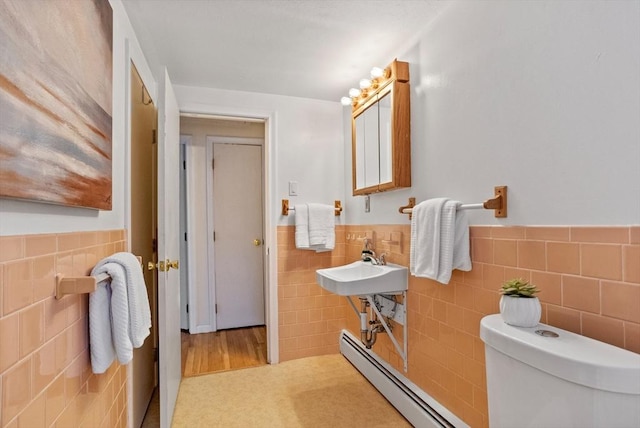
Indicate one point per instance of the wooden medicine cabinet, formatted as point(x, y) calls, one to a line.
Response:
point(381, 133)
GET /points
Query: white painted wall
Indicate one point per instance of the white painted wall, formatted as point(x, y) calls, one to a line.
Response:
point(541, 96)
point(23, 217)
point(308, 143)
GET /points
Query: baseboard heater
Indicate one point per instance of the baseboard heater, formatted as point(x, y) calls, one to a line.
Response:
point(420, 409)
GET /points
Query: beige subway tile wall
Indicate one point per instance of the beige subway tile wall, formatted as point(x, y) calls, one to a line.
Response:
point(45, 371)
point(589, 277)
point(309, 317)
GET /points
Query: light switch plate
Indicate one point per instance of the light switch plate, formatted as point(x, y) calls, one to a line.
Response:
point(293, 188)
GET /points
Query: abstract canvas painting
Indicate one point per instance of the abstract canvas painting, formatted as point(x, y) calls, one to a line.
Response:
point(56, 101)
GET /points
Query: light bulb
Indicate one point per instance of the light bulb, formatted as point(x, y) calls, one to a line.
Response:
point(346, 101)
point(353, 92)
point(377, 72)
point(365, 83)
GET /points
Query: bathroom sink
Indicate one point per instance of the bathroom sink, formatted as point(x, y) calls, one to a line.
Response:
point(362, 278)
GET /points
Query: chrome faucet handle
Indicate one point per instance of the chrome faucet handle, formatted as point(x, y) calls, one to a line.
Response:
point(383, 259)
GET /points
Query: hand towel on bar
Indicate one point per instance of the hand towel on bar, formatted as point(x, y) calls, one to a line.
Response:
point(322, 232)
point(100, 338)
point(302, 226)
point(461, 242)
point(322, 227)
point(120, 326)
point(128, 309)
point(439, 240)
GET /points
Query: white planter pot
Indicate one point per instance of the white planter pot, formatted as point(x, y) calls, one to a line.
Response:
point(520, 311)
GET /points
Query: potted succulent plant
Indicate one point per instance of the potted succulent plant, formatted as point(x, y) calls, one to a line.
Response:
point(518, 305)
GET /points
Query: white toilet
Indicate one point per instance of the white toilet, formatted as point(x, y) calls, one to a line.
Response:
point(535, 379)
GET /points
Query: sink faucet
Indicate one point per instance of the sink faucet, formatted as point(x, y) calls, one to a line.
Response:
point(368, 255)
point(381, 261)
point(367, 252)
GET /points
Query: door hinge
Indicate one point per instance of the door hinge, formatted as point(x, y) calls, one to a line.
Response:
point(212, 163)
point(155, 354)
point(184, 164)
point(214, 236)
point(187, 308)
point(216, 308)
point(185, 236)
point(154, 136)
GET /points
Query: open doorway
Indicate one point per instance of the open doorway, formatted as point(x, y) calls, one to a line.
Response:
point(224, 235)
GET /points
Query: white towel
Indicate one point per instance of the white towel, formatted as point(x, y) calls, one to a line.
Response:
point(321, 227)
point(101, 342)
point(439, 240)
point(121, 304)
point(315, 227)
point(302, 226)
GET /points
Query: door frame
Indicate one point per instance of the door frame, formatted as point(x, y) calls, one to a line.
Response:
point(270, 210)
point(185, 141)
point(210, 141)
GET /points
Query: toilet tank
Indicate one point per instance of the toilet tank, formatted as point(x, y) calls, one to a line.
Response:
point(536, 380)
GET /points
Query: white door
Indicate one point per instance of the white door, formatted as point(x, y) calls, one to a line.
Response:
point(168, 250)
point(238, 245)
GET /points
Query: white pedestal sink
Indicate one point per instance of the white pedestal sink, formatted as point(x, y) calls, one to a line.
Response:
point(362, 278)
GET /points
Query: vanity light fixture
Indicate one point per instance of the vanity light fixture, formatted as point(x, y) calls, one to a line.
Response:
point(377, 72)
point(379, 77)
point(354, 92)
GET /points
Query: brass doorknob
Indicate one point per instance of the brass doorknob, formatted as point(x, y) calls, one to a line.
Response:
point(257, 242)
point(175, 264)
point(160, 266)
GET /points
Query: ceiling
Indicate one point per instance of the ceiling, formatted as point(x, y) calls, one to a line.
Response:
point(302, 48)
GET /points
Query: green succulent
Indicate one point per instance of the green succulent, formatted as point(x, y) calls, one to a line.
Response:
point(518, 287)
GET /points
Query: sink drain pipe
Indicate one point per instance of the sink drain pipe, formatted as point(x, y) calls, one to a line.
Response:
point(368, 335)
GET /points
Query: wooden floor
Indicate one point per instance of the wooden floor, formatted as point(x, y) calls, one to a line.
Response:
point(223, 350)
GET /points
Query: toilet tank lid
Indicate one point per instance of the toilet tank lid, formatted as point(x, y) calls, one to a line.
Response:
point(569, 356)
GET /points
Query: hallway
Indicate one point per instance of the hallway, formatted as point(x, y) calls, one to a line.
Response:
point(223, 350)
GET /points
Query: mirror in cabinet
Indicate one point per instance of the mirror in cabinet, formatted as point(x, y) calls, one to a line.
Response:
point(381, 134)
